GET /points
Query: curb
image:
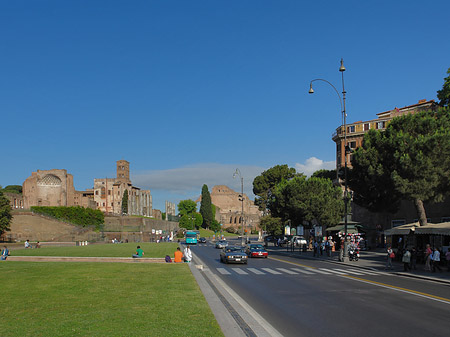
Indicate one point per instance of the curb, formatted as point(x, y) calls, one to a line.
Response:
point(84, 259)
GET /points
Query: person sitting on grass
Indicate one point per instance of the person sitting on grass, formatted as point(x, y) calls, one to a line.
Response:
point(5, 253)
point(178, 255)
point(28, 244)
point(139, 253)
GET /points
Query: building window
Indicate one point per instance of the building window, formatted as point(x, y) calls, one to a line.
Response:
point(109, 192)
point(352, 145)
point(351, 129)
point(96, 192)
point(381, 125)
point(103, 204)
point(366, 127)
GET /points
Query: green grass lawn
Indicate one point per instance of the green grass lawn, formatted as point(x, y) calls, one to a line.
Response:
point(102, 299)
point(102, 250)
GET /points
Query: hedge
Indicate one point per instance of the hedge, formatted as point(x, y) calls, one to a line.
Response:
point(76, 215)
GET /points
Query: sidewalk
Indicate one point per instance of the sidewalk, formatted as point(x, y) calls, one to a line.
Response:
point(370, 259)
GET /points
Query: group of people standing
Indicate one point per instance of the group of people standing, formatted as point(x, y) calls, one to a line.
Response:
point(327, 246)
point(410, 256)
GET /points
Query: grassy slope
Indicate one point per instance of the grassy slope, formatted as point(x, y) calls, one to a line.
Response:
point(106, 299)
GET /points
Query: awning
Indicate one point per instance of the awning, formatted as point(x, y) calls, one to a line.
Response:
point(436, 229)
point(401, 230)
point(352, 229)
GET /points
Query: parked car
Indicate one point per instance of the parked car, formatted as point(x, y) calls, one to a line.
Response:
point(221, 244)
point(299, 240)
point(233, 255)
point(270, 239)
point(256, 250)
point(202, 240)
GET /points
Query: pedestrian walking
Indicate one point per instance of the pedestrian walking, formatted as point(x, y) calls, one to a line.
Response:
point(413, 264)
point(389, 257)
point(436, 259)
point(447, 257)
point(428, 253)
point(406, 259)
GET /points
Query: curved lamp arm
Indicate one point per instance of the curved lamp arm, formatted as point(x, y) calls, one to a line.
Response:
point(311, 91)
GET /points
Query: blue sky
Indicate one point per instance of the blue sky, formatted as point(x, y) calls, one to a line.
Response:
point(188, 91)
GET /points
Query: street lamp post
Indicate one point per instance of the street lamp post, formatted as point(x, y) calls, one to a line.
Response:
point(344, 119)
point(238, 173)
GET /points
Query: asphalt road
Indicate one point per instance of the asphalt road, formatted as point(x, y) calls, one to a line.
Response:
point(301, 297)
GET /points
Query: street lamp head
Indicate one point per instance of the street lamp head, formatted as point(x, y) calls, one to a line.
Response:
point(342, 68)
point(311, 90)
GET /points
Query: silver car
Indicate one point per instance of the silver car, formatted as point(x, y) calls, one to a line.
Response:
point(233, 255)
point(221, 244)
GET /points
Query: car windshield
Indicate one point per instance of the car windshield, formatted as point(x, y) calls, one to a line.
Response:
point(235, 250)
point(256, 247)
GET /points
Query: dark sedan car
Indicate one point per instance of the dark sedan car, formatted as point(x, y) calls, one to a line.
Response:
point(202, 240)
point(256, 250)
point(233, 255)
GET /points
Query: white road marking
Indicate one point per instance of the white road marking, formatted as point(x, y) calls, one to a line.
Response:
point(223, 271)
point(338, 272)
point(240, 271)
point(364, 272)
point(349, 272)
point(256, 271)
point(287, 271)
point(271, 271)
point(302, 271)
point(322, 271)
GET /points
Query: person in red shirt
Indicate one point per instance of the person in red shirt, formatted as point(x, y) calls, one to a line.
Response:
point(178, 255)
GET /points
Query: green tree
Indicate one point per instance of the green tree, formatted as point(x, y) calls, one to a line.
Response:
point(215, 226)
point(206, 208)
point(5, 214)
point(186, 221)
point(444, 94)
point(187, 207)
point(409, 161)
point(264, 184)
point(313, 199)
point(327, 174)
point(198, 220)
point(125, 202)
point(13, 189)
point(271, 225)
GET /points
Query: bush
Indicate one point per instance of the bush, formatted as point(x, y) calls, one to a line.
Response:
point(77, 215)
point(231, 230)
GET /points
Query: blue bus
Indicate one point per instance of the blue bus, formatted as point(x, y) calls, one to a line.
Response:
point(191, 237)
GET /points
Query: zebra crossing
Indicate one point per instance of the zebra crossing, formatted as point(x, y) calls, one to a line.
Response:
point(296, 271)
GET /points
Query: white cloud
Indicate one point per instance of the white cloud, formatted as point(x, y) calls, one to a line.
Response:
point(313, 164)
point(184, 180)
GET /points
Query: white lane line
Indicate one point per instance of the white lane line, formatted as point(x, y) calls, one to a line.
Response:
point(322, 271)
point(256, 271)
point(271, 271)
point(303, 271)
point(364, 272)
point(337, 272)
point(287, 271)
point(223, 271)
point(240, 271)
point(349, 272)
